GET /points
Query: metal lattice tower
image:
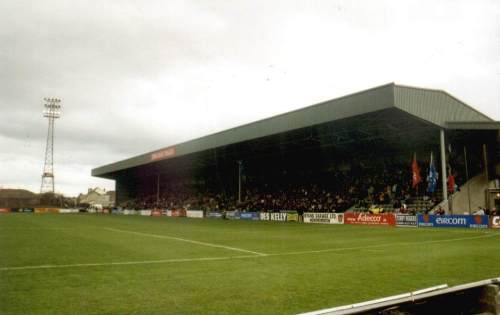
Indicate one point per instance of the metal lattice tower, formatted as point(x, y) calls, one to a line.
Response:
point(52, 111)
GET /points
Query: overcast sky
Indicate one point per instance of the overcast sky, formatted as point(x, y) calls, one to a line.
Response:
point(135, 76)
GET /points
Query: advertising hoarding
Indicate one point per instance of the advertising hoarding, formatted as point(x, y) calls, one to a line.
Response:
point(363, 218)
point(323, 217)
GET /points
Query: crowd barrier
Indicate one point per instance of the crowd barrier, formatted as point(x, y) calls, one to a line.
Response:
point(361, 218)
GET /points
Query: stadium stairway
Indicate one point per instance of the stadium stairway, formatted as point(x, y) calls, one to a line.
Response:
point(459, 201)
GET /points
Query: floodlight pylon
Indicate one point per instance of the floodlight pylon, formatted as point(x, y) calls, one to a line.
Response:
point(52, 111)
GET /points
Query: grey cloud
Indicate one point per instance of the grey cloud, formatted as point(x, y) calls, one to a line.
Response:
point(136, 76)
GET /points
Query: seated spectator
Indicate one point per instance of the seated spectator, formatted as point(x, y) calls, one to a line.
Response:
point(439, 211)
point(479, 211)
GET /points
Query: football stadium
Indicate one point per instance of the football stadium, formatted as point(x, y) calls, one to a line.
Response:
point(385, 201)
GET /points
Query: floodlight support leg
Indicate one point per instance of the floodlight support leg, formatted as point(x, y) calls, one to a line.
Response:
point(444, 176)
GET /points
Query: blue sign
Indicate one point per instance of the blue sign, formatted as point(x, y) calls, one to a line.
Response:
point(214, 215)
point(249, 215)
point(232, 215)
point(465, 221)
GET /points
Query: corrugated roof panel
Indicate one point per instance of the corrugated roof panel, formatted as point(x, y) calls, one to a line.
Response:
point(435, 106)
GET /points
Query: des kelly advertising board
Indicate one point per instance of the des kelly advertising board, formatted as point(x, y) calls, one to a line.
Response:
point(273, 216)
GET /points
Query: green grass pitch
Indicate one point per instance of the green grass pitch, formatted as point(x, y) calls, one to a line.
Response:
point(103, 264)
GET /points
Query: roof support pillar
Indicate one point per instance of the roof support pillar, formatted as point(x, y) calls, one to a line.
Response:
point(239, 181)
point(443, 166)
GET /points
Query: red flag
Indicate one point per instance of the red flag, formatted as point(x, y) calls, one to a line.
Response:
point(415, 172)
point(451, 183)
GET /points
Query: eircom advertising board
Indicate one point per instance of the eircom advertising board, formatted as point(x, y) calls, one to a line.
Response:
point(465, 221)
point(495, 222)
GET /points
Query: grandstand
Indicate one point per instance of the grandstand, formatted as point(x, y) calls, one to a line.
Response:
point(352, 153)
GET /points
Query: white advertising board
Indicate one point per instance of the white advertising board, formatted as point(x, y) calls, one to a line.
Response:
point(323, 217)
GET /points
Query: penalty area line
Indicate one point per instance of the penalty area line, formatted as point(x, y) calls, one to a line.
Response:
point(187, 241)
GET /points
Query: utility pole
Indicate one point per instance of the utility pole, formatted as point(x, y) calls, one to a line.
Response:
point(52, 111)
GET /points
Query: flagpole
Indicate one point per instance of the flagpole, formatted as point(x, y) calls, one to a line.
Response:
point(444, 176)
point(467, 176)
point(485, 157)
point(158, 190)
point(239, 181)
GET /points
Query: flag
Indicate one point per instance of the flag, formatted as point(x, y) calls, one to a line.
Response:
point(415, 172)
point(432, 178)
point(451, 183)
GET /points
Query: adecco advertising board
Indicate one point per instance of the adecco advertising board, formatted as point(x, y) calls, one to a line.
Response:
point(495, 222)
point(323, 217)
point(156, 213)
point(178, 213)
point(4, 210)
point(369, 219)
point(465, 221)
point(46, 210)
point(406, 220)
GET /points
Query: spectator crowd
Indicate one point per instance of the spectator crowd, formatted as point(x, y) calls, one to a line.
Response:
point(336, 191)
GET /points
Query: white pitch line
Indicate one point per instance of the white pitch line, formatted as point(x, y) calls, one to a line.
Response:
point(187, 241)
point(382, 245)
point(121, 263)
point(144, 262)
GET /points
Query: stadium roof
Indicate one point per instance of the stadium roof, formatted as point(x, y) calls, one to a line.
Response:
point(433, 107)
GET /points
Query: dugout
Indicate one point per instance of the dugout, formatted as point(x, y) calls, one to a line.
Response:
point(389, 122)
